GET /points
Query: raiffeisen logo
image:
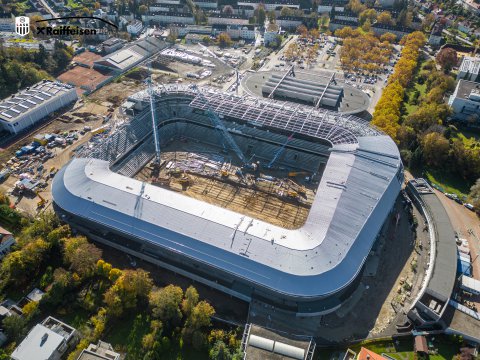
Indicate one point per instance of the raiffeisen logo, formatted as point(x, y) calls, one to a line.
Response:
point(22, 25)
point(69, 30)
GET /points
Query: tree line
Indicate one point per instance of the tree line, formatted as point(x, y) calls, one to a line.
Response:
point(20, 68)
point(71, 270)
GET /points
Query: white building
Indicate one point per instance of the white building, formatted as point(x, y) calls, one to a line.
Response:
point(465, 101)
point(271, 4)
point(168, 2)
point(225, 19)
point(271, 33)
point(246, 32)
point(326, 6)
point(99, 351)
point(33, 104)
point(46, 341)
point(166, 18)
point(469, 69)
point(289, 22)
point(135, 27)
point(206, 4)
point(6, 242)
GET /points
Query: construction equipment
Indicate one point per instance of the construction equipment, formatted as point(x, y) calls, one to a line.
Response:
point(184, 181)
point(42, 201)
point(297, 173)
point(279, 152)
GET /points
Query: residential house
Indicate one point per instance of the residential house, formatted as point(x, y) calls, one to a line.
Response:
point(271, 33)
point(99, 351)
point(47, 341)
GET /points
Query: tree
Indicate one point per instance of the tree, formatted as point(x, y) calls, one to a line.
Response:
point(15, 327)
point(272, 18)
point(143, 9)
point(302, 30)
point(286, 11)
point(346, 32)
point(128, 289)
point(200, 317)
point(356, 6)
point(369, 14)
point(428, 21)
point(435, 149)
point(447, 58)
point(388, 37)
point(81, 255)
point(224, 40)
point(220, 351)
point(165, 303)
point(385, 18)
point(228, 9)
point(474, 196)
point(260, 14)
point(190, 301)
point(367, 26)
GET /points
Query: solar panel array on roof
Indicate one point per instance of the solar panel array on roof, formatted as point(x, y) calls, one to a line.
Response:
point(29, 98)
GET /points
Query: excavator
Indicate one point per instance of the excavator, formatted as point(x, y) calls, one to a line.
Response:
point(42, 201)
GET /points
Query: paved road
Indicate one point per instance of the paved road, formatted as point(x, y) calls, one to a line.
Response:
point(464, 220)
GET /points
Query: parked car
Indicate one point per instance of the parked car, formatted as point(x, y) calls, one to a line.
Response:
point(469, 206)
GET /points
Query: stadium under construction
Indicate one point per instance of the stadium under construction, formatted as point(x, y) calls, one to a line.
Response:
point(259, 198)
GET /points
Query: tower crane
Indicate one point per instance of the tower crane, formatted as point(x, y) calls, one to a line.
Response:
point(219, 125)
point(279, 152)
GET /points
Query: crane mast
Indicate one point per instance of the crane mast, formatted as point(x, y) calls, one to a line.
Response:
point(218, 123)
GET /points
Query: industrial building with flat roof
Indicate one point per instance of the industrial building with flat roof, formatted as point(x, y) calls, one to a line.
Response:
point(24, 109)
point(130, 56)
point(310, 269)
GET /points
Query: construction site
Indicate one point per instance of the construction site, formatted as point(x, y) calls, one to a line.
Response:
point(275, 195)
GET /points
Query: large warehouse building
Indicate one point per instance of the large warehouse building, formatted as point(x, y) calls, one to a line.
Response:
point(309, 269)
point(33, 104)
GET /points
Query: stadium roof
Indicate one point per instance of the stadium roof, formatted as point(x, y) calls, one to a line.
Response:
point(28, 100)
point(359, 185)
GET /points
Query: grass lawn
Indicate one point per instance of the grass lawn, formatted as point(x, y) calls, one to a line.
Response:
point(448, 182)
point(409, 106)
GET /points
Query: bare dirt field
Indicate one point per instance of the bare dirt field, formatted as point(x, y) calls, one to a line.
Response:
point(88, 112)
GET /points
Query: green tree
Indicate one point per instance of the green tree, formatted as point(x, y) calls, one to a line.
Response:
point(190, 300)
point(165, 303)
point(435, 149)
point(15, 327)
point(220, 351)
point(260, 14)
point(81, 255)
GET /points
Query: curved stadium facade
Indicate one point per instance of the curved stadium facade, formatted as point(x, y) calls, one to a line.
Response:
point(309, 270)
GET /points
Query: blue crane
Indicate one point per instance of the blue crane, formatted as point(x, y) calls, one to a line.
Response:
point(279, 152)
point(219, 125)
